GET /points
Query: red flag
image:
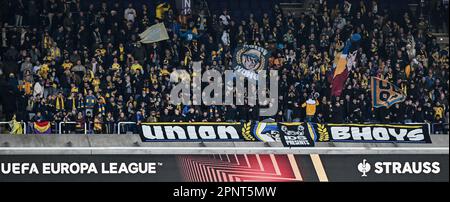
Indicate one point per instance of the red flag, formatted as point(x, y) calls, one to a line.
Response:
point(343, 65)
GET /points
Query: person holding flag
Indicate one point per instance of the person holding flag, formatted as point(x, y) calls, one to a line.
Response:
point(16, 126)
point(344, 62)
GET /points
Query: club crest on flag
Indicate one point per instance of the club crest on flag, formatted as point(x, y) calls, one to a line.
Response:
point(384, 93)
point(43, 127)
point(249, 59)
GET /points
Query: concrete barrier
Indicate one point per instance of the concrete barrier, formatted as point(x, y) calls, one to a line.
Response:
point(131, 144)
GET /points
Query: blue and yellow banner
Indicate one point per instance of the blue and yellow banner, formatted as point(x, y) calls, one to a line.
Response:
point(371, 133)
point(384, 93)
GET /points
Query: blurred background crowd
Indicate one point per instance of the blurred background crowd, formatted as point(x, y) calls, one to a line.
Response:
point(81, 60)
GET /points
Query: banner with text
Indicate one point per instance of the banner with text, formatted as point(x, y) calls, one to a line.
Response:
point(193, 132)
point(405, 133)
point(224, 168)
point(295, 135)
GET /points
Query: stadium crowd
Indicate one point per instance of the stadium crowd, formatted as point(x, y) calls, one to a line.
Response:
point(64, 60)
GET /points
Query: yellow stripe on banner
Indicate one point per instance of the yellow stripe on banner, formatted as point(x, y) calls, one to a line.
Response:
point(258, 133)
point(295, 167)
point(311, 132)
point(319, 168)
point(194, 123)
point(292, 123)
point(378, 125)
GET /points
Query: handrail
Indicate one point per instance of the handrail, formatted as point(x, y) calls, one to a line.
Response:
point(24, 127)
point(60, 124)
point(124, 122)
point(431, 126)
point(71, 122)
point(445, 128)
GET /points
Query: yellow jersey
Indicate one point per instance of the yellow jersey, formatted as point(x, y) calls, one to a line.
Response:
point(310, 107)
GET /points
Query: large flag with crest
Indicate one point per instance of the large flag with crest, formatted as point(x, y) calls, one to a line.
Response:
point(384, 93)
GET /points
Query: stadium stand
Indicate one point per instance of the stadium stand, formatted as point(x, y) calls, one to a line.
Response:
point(81, 61)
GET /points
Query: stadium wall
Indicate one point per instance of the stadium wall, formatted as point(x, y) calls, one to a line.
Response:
point(132, 144)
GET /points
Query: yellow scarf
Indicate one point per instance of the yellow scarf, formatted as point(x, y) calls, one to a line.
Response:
point(121, 53)
point(59, 103)
point(47, 42)
point(187, 58)
point(404, 88)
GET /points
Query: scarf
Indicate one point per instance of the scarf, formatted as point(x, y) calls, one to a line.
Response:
point(121, 54)
point(73, 104)
point(81, 103)
point(101, 105)
point(59, 103)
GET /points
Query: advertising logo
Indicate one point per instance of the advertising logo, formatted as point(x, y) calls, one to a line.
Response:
point(399, 168)
point(364, 167)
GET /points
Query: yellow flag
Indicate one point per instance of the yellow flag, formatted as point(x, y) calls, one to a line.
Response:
point(408, 70)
